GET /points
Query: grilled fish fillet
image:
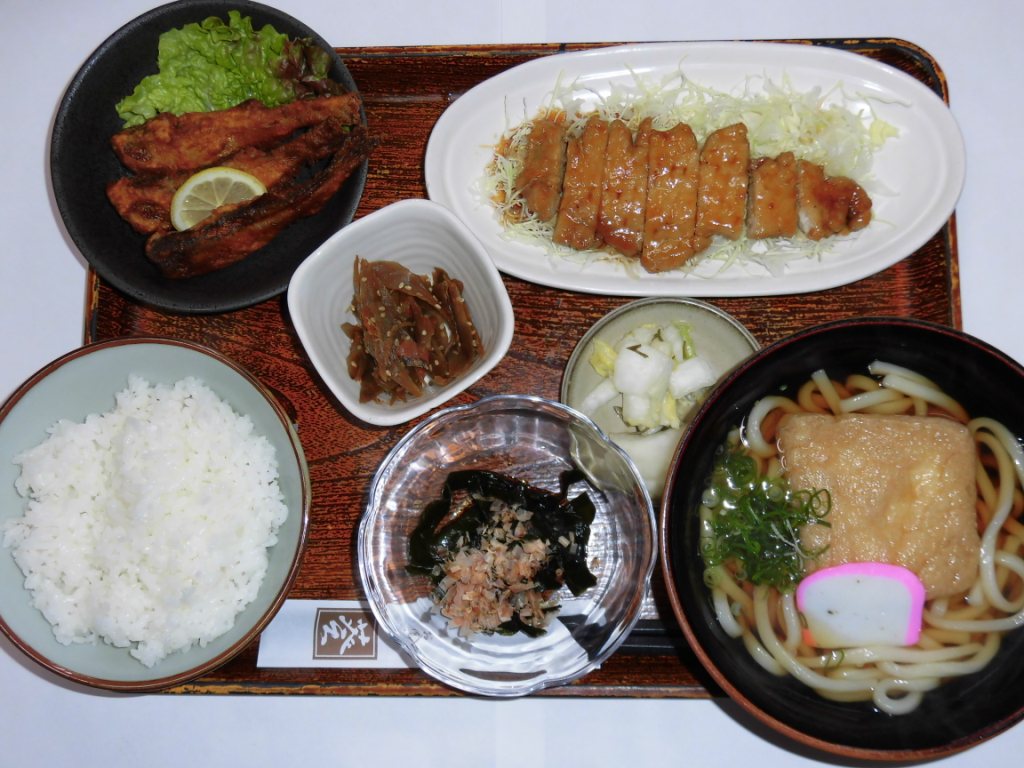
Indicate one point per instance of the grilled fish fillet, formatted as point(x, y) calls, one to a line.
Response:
point(236, 231)
point(168, 144)
point(145, 201)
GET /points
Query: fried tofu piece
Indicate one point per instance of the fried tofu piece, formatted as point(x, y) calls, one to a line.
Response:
point(771, 202)
point(540, 180)
point(903, 492)
point(829, 205)
point(673, 172)
point(620, 222)
point(576, 225)
point(722, 185)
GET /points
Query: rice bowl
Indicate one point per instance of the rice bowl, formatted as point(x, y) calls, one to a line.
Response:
point(167, 604)
point(147, 526)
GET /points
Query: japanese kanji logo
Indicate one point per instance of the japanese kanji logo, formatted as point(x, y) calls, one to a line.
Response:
point(344, 634)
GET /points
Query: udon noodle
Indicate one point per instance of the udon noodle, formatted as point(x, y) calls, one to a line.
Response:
point(960, 634)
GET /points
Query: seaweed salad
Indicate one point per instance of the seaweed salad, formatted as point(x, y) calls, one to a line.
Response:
point(498, 550)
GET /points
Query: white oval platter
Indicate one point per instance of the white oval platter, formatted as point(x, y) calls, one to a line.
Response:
point(921, 170)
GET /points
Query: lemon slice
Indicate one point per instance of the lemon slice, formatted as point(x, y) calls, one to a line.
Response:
point(209, 189)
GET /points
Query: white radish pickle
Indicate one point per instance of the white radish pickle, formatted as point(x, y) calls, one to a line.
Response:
point(655, 374)
point(600, 395)
point(652, 453)
point(690, 376)
point(651, 378)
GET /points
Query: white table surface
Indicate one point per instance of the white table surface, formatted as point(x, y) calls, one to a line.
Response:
point(42, 278)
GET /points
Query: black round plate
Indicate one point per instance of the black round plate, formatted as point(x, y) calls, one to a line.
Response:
point(960, 713)
point(82, 163)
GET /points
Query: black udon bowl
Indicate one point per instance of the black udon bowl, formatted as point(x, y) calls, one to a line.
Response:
point(961, 712)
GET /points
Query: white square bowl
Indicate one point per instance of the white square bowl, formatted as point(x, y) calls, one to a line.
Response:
point(420, 235)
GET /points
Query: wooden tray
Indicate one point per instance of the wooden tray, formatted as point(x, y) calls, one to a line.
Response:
point(405, 91)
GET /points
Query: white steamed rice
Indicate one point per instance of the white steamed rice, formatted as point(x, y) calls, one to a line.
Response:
point(148, 526)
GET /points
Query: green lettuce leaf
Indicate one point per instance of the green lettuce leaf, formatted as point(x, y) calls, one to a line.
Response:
point(214, 65)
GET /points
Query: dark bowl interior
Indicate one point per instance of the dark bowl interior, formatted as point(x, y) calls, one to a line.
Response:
point(82, 164)
point(961, 712)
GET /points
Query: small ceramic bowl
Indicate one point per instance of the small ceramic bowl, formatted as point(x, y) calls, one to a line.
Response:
point(85, 382)
point(961, 711)
point(419, 235)
point(533, 440)
point(719, 338)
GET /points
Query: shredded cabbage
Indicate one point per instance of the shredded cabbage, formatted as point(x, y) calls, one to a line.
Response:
point(835, 129)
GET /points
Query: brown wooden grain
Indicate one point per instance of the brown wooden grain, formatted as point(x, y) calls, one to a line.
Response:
point(405, 90)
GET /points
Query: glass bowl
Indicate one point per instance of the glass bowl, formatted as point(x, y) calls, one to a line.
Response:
point(534, 440)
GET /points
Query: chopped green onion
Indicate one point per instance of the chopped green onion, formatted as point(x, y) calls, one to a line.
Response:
point(755, 523)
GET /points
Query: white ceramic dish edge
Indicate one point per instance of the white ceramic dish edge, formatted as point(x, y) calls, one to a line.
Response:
point(325, 276)
point(925, 166)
